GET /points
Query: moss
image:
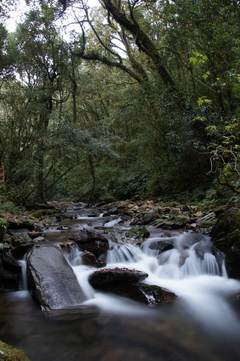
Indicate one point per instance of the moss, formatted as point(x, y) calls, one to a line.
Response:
point(138, 232)
point(9, 353)
point(43, 212)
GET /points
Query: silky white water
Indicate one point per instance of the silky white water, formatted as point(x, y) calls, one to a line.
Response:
point(191, 269)
point(24, 283)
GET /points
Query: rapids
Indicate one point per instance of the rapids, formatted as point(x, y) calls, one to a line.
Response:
point(202, 325)
point(194, 271)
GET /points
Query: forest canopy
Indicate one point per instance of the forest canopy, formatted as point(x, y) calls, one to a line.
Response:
point(128, 98)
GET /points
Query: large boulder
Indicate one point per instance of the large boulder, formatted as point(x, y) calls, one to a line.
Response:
point(126, 283)
point(53, 281)
point(226, 237)
point(106, 278)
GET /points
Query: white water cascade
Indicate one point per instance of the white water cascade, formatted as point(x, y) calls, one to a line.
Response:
point(189, 267)
point(24, 283)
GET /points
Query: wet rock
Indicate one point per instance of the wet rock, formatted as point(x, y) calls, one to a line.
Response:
point(138, 233)
point(9, 262)
point(91, 241)
point(142, 293)
point(9, 353)
point(18, 239)
point(89, 259)
point(20, 251)
point(20, 222)
point(162, 245)
point(226, 237)
point(125, 283)
point(110, 212)
point(9, 280)
point(109, 277)
point(53, 281)
point(203, 246)
point(172, 221)
point(153, 295)
point(35, 234)
point(40, 213)
point(150, 217)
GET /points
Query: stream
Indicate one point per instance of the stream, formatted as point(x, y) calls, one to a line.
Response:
point(203, 323)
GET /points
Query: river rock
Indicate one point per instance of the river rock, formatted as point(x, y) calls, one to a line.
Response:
point(162, 244)
point(148, 294)
point(18, 222)
point(138, 233)
point(226, 237)
point(35, 234)
point(9, 262)
point(106, 278)
point(18, 239)
point(89, 259)
point(9, 281)
point(91, 241)
point(126, 283)
point(54, 283)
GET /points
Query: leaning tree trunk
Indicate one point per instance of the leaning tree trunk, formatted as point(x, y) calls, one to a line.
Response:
point(40, 161)
point(93, 176)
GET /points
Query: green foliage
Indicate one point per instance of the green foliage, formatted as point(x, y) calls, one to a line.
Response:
point(82, 119)
point(9, 207)
point(197, 58)
point(3, 225)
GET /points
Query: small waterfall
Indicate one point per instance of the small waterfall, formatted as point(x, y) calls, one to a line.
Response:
point(24, 283)
point(123, 253)
point(187, 265)
point(191, 256)
point(73, 254)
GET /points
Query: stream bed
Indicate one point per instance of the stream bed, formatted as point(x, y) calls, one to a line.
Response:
point(203, 323)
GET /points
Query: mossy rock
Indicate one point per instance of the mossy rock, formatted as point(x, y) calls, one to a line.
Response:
point(228, 222)
point(138, 233)
point(172, 222)
point(9, 353)
point(43, 213)
point(19, 239)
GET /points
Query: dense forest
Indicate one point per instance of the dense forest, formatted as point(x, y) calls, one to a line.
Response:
point(127, 99)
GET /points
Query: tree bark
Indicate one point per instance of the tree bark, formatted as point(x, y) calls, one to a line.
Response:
point(143, 41)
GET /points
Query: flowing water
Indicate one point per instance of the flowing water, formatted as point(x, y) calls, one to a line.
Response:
point(23, 264)
point(189, 269)
point(202, 325)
